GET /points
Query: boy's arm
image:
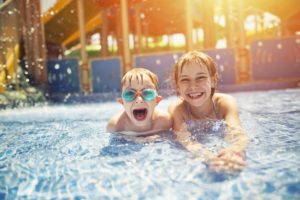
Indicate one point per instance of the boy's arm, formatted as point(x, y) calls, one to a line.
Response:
point(113, 124)
point(163, 121)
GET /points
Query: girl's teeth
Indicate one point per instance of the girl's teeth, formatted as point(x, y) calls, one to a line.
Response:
point(195, 95)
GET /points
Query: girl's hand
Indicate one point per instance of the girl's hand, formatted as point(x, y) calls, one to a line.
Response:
point(228, 162)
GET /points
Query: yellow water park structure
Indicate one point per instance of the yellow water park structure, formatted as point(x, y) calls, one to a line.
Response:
point(33, 44)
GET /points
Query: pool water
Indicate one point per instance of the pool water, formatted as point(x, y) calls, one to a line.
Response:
point(64, 152)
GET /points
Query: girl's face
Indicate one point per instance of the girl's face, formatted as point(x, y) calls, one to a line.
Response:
point(195, 83)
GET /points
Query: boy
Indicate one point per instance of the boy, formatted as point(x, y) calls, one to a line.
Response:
point(139, 98)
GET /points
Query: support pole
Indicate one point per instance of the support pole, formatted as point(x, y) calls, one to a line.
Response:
point(242, 51)
point(125, 37)
point(85, 87)
point(138, 30)
point(229, 21)
point(104, 34)
point(209, 24)
point(189, 25)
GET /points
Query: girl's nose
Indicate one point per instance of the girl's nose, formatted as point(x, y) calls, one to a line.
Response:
point(193, 84)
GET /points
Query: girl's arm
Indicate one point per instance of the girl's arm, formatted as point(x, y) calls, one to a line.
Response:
point(184, 136)
point(236, 134)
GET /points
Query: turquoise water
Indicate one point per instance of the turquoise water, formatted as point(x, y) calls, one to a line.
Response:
point(64, 152)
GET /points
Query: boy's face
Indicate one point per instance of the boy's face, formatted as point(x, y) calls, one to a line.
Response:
point(140, 109)
point(195, 83)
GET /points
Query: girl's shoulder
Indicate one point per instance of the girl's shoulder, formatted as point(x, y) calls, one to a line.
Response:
point(224, 103)
point(221, 98)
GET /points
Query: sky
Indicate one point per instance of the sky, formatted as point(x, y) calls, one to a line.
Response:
point(46, 4)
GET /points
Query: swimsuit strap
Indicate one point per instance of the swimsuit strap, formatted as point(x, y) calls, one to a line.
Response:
point(189, 112)
point(215, 110)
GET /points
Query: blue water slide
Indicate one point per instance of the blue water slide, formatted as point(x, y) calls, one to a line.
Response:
point(225, 63)
point(106, 75)
point(63, 76)
point(276, 58)
point(159, 63)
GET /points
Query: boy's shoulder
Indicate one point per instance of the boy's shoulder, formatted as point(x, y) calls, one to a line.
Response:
point(116, 122)
point(160, 114)
point(176, 106)
point(162, 120)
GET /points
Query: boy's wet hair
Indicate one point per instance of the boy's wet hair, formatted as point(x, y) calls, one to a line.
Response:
point(138, 73)
point(195, 57)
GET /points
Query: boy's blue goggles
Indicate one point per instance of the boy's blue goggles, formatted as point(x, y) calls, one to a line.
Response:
point(129, 95)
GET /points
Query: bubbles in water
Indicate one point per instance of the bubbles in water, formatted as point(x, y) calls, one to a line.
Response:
point(56, 66)
point(69, 71)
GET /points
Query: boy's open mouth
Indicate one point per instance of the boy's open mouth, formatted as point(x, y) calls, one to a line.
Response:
point(195, 95)
point(140, 114)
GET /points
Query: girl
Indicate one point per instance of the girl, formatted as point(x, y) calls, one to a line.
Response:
point(195, 78)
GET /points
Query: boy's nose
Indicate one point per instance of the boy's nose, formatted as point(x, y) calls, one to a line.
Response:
point(139, 99)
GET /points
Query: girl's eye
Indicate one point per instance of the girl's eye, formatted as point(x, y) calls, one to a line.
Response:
point(201, 78)
point(184, 80)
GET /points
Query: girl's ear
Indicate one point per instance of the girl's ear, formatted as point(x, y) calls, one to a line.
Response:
point(158, 99)
point(214, 81)
point(120, 100)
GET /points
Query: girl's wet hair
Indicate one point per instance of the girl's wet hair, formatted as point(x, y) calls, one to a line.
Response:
point(195, 57)
point(138, 73)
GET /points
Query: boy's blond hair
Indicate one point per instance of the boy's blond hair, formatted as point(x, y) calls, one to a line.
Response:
point(138, 73)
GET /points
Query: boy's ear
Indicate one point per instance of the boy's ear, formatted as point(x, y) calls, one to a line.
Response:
point(158, 99)
point(120, 100)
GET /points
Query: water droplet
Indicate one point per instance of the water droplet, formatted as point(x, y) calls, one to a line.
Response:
point(279, 46)
point(221, 68)
point(69, 71)
point(56, 66)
